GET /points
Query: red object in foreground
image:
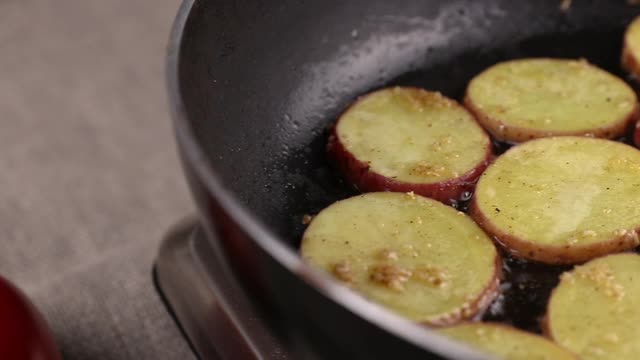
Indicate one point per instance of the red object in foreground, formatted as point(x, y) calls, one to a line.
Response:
point(24, 335)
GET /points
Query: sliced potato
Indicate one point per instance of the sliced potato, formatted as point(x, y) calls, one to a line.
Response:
point(420, 258)
point(594, 310)
point(507, 342)
point(525, 99)
point(408, 139)
point(631, 61)
point(562, 200)
point(631, 48)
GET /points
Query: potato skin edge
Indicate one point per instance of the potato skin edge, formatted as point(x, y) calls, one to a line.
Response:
point(550, 254)
point(632, 65)
point(359, 174)
point(478, 306)
point(629, 62)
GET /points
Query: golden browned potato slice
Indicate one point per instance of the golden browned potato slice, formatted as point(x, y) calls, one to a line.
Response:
point(420, 258)
point(532, 98)
point(408, 139)
point(506, 342)
point(594, 310)
point(562, 200)
point(631, 48)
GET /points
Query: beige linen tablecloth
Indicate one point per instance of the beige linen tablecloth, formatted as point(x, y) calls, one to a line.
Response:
point(89, 178)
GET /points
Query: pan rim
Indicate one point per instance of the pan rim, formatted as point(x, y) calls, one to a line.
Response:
point(424, 338)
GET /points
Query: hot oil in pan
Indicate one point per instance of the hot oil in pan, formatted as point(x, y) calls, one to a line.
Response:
point(524, 292)
point(525, 286)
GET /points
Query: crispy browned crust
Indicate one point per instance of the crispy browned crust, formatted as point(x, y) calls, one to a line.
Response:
point(552, 254)
point(516, 134)
point(359, 174)
point(478, 306)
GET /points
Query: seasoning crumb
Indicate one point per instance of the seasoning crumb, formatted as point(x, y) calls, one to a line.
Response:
point(425, 169)
point(624, 104)
point(627, 235)
point(343, 272)
point(390, 276)
point(306, 219)
point(612, 337)
point(430, 275)
point(411, 195)
point(466, 310)
point(387, 255)
point(604, 279)
point(569, 277)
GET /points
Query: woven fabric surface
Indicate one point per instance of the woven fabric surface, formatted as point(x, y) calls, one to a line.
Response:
point(90, 178)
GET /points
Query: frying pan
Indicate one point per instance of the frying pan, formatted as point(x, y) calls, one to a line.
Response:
point(254, 86)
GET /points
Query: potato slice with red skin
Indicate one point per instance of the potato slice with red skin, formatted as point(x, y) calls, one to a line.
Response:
point(407, 139)
point(631, 61)
point(419, 258)
point(562, 200)
point(507, 342)
point(594, 309)
point(524, 99)
point(631, 49)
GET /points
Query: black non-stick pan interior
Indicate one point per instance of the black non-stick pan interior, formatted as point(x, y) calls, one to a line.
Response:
point(262, 81)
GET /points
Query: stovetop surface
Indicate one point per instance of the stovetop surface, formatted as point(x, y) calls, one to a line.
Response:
point(210, 308)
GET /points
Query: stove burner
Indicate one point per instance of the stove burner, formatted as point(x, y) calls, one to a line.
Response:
point(210, 308)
